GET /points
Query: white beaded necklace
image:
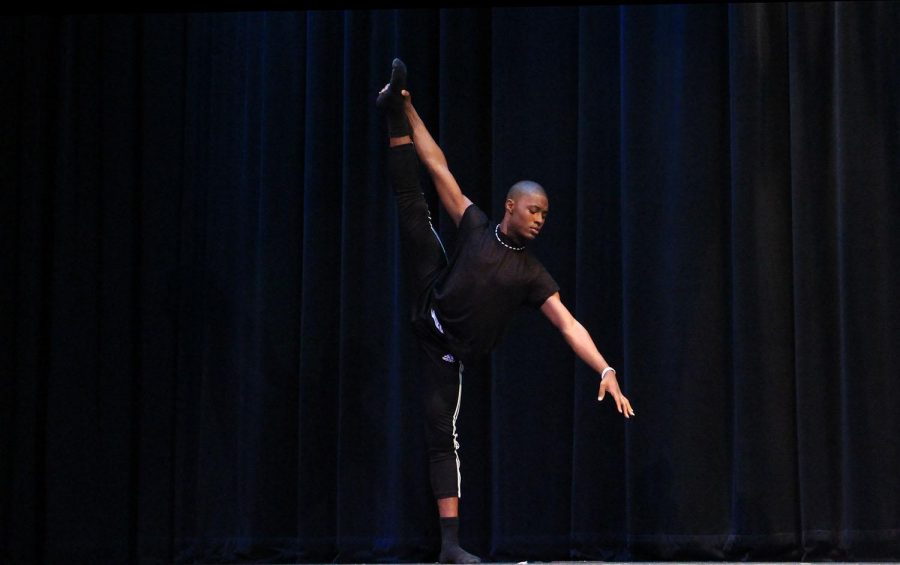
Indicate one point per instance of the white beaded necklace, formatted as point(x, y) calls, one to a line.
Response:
point(497, 235)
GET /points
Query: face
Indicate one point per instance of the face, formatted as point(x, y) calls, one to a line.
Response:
point(527, 215)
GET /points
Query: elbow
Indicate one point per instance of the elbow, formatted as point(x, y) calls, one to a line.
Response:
point(570, 329)
point(435, 166)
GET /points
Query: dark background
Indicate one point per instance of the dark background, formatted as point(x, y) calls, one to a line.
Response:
point(205, 351)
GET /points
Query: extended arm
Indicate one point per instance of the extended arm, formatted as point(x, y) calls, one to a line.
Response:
point(431, 155)
point(581, 343)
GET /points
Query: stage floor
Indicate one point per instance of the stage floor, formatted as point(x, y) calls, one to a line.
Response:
point(657, 562)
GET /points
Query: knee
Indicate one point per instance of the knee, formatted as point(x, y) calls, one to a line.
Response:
point(439, 425)
point(414, 212)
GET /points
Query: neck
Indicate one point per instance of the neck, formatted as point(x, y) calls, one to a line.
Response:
point(504, 225)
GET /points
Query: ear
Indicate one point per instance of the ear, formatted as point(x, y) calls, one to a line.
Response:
point(510, 204)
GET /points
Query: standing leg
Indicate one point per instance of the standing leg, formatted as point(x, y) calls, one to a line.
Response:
point(442, 389)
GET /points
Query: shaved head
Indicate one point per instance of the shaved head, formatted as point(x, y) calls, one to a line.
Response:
point(525, 211)
point(525, 187)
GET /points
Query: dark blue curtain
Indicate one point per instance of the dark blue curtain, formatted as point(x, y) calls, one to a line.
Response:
point(205, 352)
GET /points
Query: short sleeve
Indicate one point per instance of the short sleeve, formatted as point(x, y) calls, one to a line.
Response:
point(542, 287)
point(473, 219)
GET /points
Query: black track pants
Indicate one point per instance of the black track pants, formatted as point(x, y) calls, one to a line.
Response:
point(424, 258)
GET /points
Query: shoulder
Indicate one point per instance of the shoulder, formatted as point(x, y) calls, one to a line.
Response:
point(473, 217)
point(541, 283)
point(537, 272)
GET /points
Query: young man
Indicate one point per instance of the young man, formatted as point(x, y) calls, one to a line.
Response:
point(461, 304)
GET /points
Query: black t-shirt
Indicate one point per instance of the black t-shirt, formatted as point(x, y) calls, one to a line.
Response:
point(485, 282)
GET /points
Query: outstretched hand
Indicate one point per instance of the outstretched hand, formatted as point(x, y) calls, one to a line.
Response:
point(611, 385)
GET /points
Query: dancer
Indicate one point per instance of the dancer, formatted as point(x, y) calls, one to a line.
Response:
point(461, 303)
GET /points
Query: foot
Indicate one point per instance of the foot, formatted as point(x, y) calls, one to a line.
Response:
point(390, 99)
point(451, 553)
point(390, 102)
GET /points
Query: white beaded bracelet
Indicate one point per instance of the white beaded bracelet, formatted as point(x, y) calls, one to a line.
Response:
point(606, 370)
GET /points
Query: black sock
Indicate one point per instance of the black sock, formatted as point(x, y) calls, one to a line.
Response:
point(391, 102)
point(450, 550)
